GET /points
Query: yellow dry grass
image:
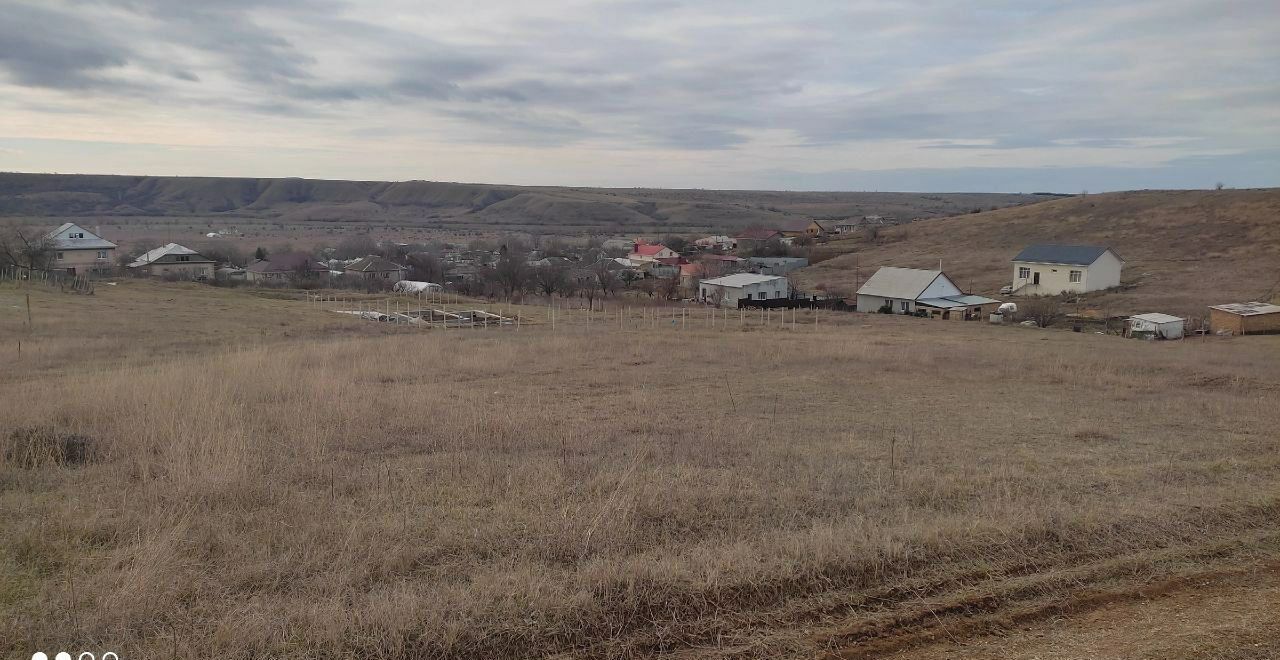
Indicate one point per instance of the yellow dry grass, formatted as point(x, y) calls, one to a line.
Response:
point(588, 491)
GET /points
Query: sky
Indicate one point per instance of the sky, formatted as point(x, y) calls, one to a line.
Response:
point(928, 95)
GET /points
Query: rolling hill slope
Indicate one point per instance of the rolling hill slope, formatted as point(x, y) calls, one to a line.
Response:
point(462, 204)
point(1183, 249)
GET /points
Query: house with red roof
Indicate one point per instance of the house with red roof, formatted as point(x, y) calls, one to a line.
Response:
point(651, 252)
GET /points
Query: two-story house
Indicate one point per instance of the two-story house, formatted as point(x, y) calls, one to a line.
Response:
point(79, 251)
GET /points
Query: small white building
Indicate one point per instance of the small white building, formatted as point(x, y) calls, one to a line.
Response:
point(728, 290)
point(1048, 270)
point(1159, 326)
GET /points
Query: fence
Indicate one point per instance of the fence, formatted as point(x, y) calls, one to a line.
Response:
point(54, 279)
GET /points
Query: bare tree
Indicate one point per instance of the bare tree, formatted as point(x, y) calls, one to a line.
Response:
point(425, 267)
point(1044, 310)
point(511, 273)
point(25, 249)
point(355, 246)
point(551, 278)
point(606, 279)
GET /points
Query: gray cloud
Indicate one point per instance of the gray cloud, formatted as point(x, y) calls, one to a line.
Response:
point(43, 48)
point(954, 79)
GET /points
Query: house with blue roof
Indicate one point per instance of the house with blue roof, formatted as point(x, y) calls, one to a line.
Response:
point(1048, 270)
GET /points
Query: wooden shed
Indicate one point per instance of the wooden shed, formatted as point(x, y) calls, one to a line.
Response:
point(1249, 318)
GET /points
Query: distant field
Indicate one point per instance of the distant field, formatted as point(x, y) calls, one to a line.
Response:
point(269, 479)
point(1184, 249)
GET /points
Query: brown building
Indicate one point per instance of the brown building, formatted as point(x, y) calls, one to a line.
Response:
point(174, 260)
point(79, 251)
point(288, 265)
point(1250, 318)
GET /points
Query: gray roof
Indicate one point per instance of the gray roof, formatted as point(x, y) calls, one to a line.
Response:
point(164, 251)
point(91, 241)
point(738, 280)
point(951, 302)
point(778, 261)
point(1248, 308)
point(374, 264)
point(905, 283)
point(1156, 317)
point(1075, 255)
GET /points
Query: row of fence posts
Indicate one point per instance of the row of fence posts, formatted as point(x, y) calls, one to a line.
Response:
point(427, 302)
point(51, 278)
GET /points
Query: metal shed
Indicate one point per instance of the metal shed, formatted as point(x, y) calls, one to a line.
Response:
point(1155, 325)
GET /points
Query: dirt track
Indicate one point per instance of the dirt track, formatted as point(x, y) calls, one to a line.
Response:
point(1228, 615)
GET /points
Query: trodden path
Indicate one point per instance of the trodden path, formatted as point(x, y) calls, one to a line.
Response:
point(1227, 615)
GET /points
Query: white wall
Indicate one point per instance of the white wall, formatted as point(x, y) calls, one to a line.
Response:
point(941, 286)
point(1056, 278)
point(1103, 273)
point(771, 290)
point(874, 303)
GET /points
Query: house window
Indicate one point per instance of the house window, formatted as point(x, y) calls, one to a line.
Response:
point(184, 258)
point(102, 254)
point(386, 276)
point(1024, 272)
point(80, 235)
point(1074, 276)
point(760, 295)
point(904, 305)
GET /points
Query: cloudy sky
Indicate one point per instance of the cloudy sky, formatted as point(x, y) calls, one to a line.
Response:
point(844, 95)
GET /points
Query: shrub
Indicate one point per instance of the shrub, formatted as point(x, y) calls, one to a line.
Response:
point(38, 446)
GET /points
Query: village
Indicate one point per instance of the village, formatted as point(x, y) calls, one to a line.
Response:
point(757, 268)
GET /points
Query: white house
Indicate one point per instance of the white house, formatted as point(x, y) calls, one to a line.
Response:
point(1160, 326)
point(1047, 270)
point(728, 290)
point(907, 290)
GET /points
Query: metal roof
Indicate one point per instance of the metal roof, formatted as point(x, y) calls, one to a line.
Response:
point(1249, 308)
point(738, 280)
point(951, 302)
point(1157, 317)
point(374, 264)
point(172, 248)
point(905, 283)
point(1075, 255)
point(91, 241)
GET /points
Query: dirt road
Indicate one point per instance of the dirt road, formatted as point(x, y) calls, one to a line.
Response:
point(1228, 615)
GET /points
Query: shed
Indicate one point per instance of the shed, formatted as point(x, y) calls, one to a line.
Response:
point(1156, 325)
point(1248, 318)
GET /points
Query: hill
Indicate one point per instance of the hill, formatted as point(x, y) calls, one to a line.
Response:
point(462, 205)
point(1182, 249)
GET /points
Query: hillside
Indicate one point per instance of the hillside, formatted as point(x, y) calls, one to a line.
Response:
point(1183, 249)
point(461, 205)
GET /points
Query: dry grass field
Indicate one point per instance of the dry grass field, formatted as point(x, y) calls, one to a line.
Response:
point(194, 472)
point(1184, 250)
